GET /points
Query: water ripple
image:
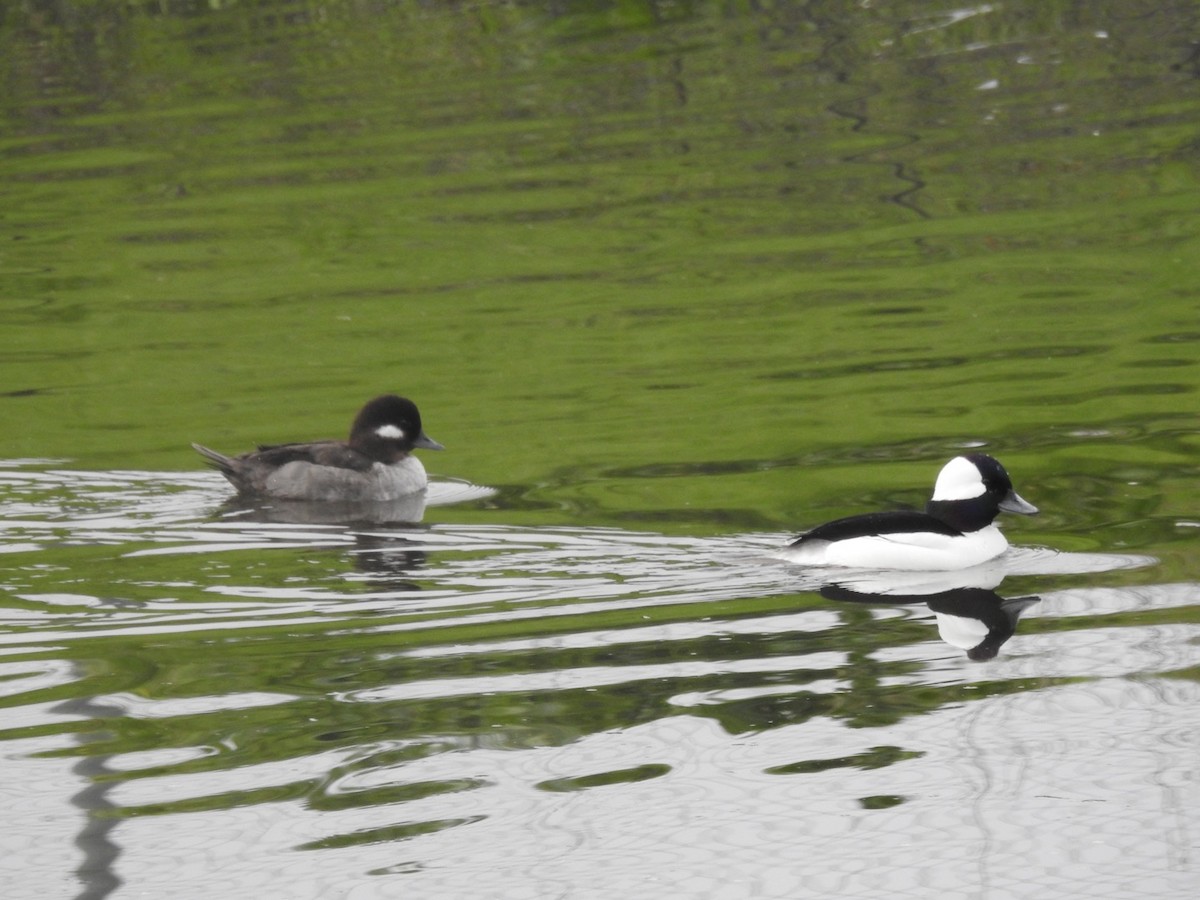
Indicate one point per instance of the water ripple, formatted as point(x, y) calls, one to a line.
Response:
point(446, 698)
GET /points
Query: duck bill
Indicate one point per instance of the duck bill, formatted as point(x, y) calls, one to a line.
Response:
point(425, 442)
point(1014, 503)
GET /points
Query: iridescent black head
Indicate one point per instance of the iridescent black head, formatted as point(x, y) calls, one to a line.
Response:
point(388, 427)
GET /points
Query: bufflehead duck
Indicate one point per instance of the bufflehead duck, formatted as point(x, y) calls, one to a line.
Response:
point(375, 464)
point(954, 532)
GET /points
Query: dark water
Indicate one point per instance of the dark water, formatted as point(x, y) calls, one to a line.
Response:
point(671, 282)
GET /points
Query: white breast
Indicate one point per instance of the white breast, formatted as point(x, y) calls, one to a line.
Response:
point(397, 480)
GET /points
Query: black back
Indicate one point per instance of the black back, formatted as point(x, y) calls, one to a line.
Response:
point(321, 453)
point(948, 517)
point(894, 522)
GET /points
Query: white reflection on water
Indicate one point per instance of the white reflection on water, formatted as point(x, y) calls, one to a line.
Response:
point(749, 731)
point(571, 679)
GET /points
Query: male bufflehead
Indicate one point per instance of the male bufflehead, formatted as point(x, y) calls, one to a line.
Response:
point(954, 532)
point(374, 465)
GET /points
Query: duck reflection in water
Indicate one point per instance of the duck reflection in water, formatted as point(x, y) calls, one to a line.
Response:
point(386, 534)
point(974, 619)
point(383, 547)
point(970, 614)
point(353, 513)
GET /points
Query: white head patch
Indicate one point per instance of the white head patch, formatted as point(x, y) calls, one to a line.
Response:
point(958, 480)
point(391, 432)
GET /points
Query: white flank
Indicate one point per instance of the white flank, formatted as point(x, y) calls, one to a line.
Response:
point(914, 552)
point(958, 480)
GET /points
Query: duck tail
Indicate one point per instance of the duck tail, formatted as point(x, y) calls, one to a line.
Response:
point(218, 461)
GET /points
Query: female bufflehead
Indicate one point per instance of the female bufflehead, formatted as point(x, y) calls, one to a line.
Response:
point(374, 465)
point(954, 532)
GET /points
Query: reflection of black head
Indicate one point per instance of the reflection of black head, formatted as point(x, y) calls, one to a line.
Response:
point(391, 557)
point(997, 614)
point(979, 610)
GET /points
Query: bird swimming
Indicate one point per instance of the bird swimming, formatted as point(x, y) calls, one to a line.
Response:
point(374, 464)
point(955, 531)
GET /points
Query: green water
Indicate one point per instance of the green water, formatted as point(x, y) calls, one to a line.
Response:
point(677, 280)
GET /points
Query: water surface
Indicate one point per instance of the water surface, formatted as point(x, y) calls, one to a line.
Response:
point(672, 282)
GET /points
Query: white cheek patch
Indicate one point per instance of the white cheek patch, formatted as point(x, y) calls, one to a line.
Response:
point(391, 432)
point(958, 480)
